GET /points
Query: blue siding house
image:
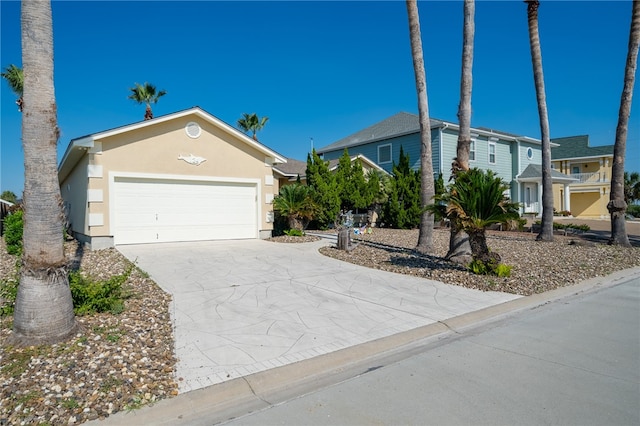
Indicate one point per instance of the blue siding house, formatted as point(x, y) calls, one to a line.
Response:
point(507, 154)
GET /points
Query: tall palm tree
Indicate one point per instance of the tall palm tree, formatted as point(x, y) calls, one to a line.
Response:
point(44, 308)
point(459, 248)
point(546, 230)
point(617, 205)
point(427, 189)
point(252, 123)
point(15, 78)
point(146, 94)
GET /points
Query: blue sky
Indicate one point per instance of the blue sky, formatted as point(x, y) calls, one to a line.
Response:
point(324, 70)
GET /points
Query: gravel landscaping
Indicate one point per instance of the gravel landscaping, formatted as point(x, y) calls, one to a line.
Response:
point(537, 266)
point(115, 362)
point(121, 362)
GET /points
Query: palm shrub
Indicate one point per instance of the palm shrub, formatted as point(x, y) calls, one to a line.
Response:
point(295, 203)
point(474, 201)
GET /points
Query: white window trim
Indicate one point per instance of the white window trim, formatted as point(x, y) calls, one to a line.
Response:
point(390, 153)
point(495, 153)
point(472, 145)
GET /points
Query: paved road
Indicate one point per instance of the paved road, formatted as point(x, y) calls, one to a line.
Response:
point(574, 361)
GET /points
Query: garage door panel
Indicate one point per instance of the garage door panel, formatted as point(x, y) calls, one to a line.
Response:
point(163, 211)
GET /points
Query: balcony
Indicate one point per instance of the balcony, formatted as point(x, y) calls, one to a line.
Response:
point(597, 177)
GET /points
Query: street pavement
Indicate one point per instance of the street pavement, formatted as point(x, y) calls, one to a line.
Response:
point(572, 361)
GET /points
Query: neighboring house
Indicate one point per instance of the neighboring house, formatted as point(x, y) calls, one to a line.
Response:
point(590, 167)
point(185, 176)
point(507, 154)
point(4, 210)
point(290, 171)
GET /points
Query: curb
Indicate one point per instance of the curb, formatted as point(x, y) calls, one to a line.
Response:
point(237, 397)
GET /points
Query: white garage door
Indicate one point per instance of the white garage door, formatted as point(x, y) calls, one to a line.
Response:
point(157, 210)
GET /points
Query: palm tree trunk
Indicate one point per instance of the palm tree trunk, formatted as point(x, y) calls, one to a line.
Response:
point(546, 230)
point(44, 308)
point(148, 114)
point(459, 248)
point(617, 205)
point(427, 189)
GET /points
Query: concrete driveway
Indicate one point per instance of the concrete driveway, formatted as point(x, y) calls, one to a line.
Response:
point(245, 306)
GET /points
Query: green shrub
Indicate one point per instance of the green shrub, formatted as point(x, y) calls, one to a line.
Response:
point(634, 210)
point(294, 233)
point(8, 293)
point(91, 296)
point(478, 267)
point(13, 233)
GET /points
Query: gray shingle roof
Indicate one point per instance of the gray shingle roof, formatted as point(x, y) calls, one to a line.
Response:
point(402, 123)
point(577, 147)
point(293, 167)
point(534, 171)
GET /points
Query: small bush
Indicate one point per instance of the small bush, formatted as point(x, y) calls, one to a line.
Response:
point(478, 267)
point(90, 296)
point(13, 233)
point(8, 294)
point(634, 210)
point(294, 233)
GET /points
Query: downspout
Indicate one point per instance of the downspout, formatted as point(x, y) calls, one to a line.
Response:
point(519, 186)
point(441, 142)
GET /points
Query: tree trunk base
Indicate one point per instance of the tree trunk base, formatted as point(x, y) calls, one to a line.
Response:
point(43, 311)
point(459, 247)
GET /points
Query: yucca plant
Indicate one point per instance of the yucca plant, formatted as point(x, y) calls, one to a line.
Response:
point(296, 204)
point(474, 201)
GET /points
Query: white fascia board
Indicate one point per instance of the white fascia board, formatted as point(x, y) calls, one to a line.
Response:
point(593, 157)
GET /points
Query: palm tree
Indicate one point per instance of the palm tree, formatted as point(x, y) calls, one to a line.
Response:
point(476, 200)
point(631, 187)
point(43, 308)
point(296, 204)
point(15, 78)
point(459, 248)
point(617, 205)
point(546, 230)
point(427, 190)
point(146, 94)
point(252, 123)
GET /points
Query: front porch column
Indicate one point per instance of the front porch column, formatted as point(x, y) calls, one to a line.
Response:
point(539, 189)
point(567, 197)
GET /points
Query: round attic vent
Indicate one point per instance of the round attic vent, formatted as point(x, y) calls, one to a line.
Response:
point(193, 129)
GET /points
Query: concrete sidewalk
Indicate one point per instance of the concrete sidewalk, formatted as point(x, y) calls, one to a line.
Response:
point(242, 307)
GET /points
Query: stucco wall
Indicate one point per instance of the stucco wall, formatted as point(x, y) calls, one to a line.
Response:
point(154, 150)
point(74, 195)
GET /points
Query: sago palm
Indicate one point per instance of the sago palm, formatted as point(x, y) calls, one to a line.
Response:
point(296, 204)
point(15, 79)
point(473, 202)
point(146, 94)
point(252, 123)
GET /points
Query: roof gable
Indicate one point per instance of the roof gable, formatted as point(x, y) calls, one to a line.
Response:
point(578, 147)
point(78, 146)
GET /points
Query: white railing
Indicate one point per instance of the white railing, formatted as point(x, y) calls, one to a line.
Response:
point(595, 177)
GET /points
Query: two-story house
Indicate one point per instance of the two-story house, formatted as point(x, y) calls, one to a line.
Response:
point(516, 159)
point(590, 167)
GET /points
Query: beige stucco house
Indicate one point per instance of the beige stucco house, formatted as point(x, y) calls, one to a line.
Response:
point(185, 176)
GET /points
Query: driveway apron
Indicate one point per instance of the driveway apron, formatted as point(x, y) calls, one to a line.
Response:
point(244, 306)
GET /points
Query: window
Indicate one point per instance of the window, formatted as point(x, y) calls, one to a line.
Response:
point(529, 153)
point(472, 150)
point(575, 169)
point(384, 154)
point(492, 153)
